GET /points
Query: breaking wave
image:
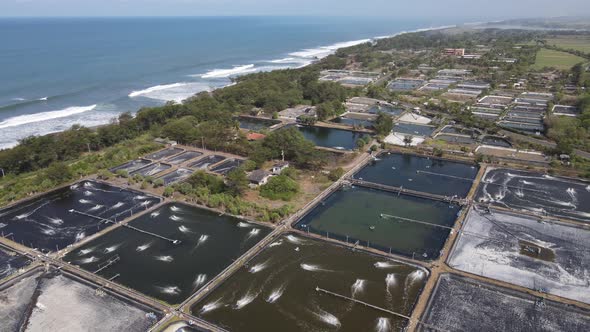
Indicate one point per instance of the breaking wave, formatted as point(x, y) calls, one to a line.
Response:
point(44, 116)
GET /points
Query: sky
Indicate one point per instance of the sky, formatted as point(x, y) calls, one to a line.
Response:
point(485, 9)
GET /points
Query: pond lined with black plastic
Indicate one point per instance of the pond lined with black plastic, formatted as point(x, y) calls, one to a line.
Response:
point(208, 243)
point(46, 222)
point(11, 262)
point(276, 290)
point(402, 224)
point(425, 174)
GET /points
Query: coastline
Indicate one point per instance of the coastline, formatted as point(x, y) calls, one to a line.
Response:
point(175, 91)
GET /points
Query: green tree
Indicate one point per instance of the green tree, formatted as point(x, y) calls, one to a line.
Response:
point(383, 124)
point(236, 181)
point(280, 187)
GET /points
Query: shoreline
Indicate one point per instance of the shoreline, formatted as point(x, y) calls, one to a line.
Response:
point(292, 60)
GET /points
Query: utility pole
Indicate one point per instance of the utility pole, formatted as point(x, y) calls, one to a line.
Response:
point(203, 142)
point(283, 155)
point(2, 170)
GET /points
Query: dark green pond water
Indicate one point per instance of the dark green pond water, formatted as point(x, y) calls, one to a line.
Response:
point(423, 174)
point(277, 290)
point(352, 214)
point(331, 138)
point(163, 270)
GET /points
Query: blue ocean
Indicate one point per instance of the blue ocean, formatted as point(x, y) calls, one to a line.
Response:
point(56, 72)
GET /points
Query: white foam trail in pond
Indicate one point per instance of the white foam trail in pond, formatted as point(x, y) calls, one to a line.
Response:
point(199, 280)
point(174, 208)
point(588, 188)
point(245, 300)
point(85, 251)
point(253, 232)
point(357, 287)
point(87, 193)
point(111, 248)
point(258, 267)
point(55, 221)
point(143, 247)
point(383, 325)
point(202, 239)
point(145, 203)
point(293, 239)
point(414, 277)
point(155, 214)
point(96, 207)
point(211, 306)
point(184, 229)
point(328, 318)
point(175, 218)
point(312, 268)
point(385, 265)
point(277, 243)
point(88, 260)
point(85, 201)
point(244, 224)
point(80, 236)
point(166, 259)
point(75, 186)
point(170, 290)
point(48, 231)
point(140, 197)
point(88, 185)
point(118, 205)
point(275, 294)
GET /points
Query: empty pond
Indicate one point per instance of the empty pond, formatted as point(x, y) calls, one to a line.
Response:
point(46, 222)
point(461, 304)
point(176, 176)
point(431, 175)
point(331, 138)
point(401, 224)
point(539, 193)
point(185, 156)
point(152, 169)
point(227, 166)
point(164, 270)
point(551, 256)
point(131, 166)
point(206, 162)
point(276, 291)
point(52, 301)
point(164, 153)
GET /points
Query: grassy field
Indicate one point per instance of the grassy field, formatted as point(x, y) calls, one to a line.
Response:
point(580, 43)
point(556, 59)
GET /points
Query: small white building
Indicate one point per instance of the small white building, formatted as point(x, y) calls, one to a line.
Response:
point(279, 167)
point(259, 177)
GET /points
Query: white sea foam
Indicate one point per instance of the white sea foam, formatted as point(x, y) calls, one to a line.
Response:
point(226, 73)
point(176, 92)
point(324, 51)
point(44, 116)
